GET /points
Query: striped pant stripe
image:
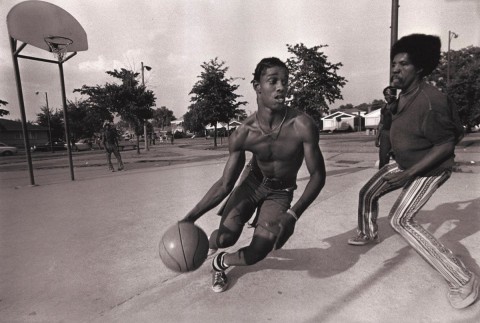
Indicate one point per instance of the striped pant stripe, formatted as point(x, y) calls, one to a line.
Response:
point(412, 198)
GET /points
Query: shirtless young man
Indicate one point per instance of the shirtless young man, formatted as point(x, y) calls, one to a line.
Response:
point(280, 139)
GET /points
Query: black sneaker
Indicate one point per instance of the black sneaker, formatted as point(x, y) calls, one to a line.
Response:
point(361, 240)
point(219, 281)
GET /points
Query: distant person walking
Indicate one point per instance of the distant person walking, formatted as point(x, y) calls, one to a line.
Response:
point(110, 142)
point(383, 136)
point(424, 132)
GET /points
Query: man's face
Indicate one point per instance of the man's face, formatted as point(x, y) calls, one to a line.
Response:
point(404, 73)
point(272, 88)
point(389, 96)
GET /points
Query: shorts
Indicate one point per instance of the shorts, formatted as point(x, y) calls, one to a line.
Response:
point(251, 195)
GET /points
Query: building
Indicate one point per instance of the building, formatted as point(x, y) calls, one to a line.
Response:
point(11, 133)
point(372, 120)
point(343, 121)
point(177, 126)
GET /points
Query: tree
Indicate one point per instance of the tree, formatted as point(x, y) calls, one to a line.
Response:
point(3, 112)
point(53, 120)
point(85, 120)
point(313, 80)
point(464, 87)
point(347, 106)
point(377, 104)
point(214, 99)
point(130, 100)
point(191, 121)
point(162, 117)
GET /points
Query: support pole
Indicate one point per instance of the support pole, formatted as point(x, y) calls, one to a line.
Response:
point(21, 104)
point(65, 117)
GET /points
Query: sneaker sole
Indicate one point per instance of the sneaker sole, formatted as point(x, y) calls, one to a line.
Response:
point(471, 298)
point(219, 290)
point(362, 243)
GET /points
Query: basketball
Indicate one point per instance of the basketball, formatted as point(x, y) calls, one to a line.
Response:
point(183, 247)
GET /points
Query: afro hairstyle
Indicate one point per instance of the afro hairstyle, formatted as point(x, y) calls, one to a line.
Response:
point(423, 50)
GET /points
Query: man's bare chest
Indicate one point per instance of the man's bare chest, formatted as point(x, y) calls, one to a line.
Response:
point(274, 147)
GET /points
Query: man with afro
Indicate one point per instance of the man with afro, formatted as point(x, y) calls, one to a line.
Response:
point(424, 131)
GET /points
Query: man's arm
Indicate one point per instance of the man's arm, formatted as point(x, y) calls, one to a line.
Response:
point(437, 154)
point(221, 188)
point(377, 139)
point(314, 162)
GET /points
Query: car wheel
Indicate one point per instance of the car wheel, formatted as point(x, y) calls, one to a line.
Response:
point(7, 153)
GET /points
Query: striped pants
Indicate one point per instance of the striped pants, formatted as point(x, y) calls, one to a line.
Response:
point(413, 197)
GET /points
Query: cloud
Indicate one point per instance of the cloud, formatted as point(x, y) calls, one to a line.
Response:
point(100, 65)
point(94, 66)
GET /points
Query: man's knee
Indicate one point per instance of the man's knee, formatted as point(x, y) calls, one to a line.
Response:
point(223, 239)
point(399, 222)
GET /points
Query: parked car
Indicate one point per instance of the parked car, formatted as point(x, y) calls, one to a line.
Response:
point(81, 144)
point(56, 145)
point(6, 150)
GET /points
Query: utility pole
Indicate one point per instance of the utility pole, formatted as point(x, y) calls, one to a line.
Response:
point(48, 121)
point(451, 35)
point(148, 68)
point(393, 30)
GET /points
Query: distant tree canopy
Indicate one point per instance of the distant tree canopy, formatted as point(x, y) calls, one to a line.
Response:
point(314, 82)
point(162, 117)
point(464, 86)
point(3, 112)
point(131, 100)
point(84, 120)
point(214, 98)
point(53, 120)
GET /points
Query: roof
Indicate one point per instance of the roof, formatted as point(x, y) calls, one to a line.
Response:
point(176, 122)
point(339, 114)
point(374, 113)
point(11, 125)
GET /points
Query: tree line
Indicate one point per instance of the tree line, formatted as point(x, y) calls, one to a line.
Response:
point(314, 84)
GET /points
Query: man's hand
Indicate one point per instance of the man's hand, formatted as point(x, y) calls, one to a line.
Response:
point(377, 142)
point(397, 179)
point(287, 226)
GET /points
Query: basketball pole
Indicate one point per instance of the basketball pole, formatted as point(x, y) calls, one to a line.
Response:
point(65, 117)
point(21, 103)
point(15, 56)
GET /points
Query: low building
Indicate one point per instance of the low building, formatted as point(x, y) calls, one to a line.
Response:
point(372, 120)
point(343, 121)
point(11, 133)
point(177, 126)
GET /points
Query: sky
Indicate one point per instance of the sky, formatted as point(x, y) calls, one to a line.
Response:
point(175, 37)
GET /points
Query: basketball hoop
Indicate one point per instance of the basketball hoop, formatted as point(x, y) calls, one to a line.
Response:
point(58, 45)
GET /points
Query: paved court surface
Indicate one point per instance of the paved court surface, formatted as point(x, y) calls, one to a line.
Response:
point(86, 251)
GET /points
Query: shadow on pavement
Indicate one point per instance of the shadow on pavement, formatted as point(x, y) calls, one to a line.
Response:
point(340, 257)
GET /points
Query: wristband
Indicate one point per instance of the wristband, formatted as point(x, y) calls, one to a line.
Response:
point(292, 213)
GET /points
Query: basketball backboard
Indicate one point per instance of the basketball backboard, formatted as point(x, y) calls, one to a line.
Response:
point(33, 21)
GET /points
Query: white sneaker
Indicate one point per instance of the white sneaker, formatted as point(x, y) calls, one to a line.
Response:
point(461, 297)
